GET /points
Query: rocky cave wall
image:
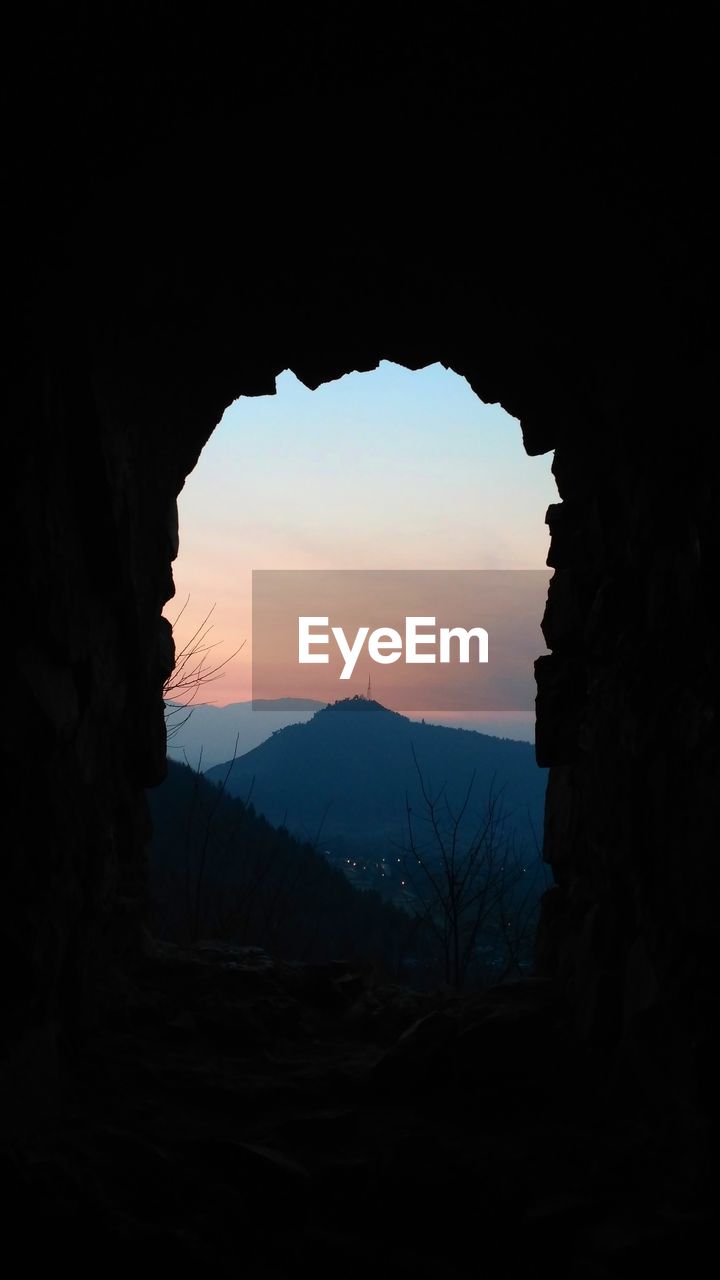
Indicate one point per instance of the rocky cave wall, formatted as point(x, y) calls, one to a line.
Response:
point(183, 234)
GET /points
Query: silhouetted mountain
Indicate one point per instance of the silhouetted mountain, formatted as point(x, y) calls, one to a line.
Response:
point(347, 771)
point(213, 731)
point(218, 869)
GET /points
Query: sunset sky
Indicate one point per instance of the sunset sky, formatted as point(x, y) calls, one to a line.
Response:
point(384, 470)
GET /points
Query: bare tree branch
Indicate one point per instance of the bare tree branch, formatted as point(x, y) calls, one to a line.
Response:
point(192, 671)
point(463, 880)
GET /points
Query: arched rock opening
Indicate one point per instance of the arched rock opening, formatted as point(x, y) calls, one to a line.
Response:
point(142, 308)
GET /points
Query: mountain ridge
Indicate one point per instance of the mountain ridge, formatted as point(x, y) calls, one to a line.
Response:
point(348, 771)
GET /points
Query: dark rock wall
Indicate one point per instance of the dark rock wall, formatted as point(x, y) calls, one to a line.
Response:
point(517, 195)
point(627, 716)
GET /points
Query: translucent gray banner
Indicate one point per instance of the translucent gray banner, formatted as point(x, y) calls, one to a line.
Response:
point(418, 641)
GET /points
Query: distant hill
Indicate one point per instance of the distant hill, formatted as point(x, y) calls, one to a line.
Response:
point(213, 730)
point(346, 772)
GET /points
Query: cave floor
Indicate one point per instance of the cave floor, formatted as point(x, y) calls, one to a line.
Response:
point(230, 1112)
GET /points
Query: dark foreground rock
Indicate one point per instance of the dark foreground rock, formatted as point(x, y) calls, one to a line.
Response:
point(255, 1118)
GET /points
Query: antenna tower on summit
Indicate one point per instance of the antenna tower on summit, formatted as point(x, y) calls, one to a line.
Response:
point(368, 695)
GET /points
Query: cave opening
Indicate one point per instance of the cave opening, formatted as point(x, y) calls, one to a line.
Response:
point(394, 470)
point(524, 194)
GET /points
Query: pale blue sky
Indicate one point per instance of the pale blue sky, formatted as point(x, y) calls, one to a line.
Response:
point(383, 470)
